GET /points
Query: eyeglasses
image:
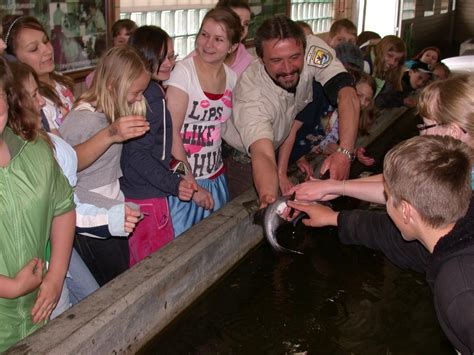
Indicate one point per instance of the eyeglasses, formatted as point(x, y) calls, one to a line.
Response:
point(424, 127)
point(172, 57)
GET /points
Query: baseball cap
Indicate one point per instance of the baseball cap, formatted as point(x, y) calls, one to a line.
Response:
point(349, 53)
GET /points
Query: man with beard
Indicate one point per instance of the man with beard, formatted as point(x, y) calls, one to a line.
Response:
point(275, 88)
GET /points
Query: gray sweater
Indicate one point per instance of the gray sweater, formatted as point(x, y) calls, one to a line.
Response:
point(78, 127)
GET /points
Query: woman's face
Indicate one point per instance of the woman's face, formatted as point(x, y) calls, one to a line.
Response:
point(391, 60)
point(31, 86)
point(164, 71)
point(365, 93)
point(244, 16)
point(135, 91)
point(212, 43)
point(34, 48)
point(430, 57)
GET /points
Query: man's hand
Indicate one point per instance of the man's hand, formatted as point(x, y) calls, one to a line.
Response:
point(265, 200)
point(285, 184)
point(319, 215)
point(186, 189)
point(338, 165)
point(203, 198)
point(128, 127)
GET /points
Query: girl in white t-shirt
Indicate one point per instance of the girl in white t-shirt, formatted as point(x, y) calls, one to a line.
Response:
point(199, 99)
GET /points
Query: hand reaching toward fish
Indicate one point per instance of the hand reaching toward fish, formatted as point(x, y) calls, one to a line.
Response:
point(318, 215)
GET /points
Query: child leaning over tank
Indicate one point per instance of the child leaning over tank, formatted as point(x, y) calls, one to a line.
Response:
point(428, 226)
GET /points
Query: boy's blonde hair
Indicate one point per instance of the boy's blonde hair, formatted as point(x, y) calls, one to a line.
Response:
point(433, 174)
point(450, 101)
point(118, 68)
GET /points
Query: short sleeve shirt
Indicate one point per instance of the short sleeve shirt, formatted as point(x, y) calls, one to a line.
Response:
point(201, 131)
point(263, 109)
point(33, 190)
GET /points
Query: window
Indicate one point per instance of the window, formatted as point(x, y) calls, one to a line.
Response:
point(429, 6)
point(180, 21)
point(408, 9)
point(444, 6)
point(318, 14)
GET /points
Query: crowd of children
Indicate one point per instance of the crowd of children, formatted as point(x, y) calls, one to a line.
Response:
point(138, 156)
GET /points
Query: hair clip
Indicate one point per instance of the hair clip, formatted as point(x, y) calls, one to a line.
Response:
point(10, 29)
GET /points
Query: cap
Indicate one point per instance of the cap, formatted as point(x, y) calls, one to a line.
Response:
point(421, 67)
point(349, 53)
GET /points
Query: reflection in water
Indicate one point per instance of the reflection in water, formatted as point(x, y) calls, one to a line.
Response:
point(334, 299)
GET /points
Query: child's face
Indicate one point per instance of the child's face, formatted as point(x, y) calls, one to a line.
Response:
point(135, 92)
point(430, 57)
point(34, 48)
point(418, 79)
point(391, 60)
point(164, 71)
point(365, 93)
point(122, 37)
point(3, 46)
point(212, 43)
point(439, 73)
point(31, 86)
point(3, 111)
point(342, 36)
point(244, 16)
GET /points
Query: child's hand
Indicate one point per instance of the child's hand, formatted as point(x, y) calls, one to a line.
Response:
point(128, 127)
point(319, 215)
point(409, 101)
point(30, 277)
point(364, 159)
point(131, 219)
point(186, 189)
point(305, 167)
point(47, 299)
point(203, 198)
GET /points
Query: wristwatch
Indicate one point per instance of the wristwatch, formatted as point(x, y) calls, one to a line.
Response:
point(346, 152)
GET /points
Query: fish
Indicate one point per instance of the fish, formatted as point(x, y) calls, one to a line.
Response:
point(272, 221)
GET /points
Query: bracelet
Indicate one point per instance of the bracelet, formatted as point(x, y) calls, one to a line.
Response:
point(346, 152)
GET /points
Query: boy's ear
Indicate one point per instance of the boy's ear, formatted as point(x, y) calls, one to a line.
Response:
point(407, 211)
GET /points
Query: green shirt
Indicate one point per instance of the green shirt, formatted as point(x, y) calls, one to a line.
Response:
point(32, 191)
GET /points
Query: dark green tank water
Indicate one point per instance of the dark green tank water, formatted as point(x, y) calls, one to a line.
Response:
point(334, 299)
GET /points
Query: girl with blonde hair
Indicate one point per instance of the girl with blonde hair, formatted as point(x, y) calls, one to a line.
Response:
point(116, 94)
point(384, 62)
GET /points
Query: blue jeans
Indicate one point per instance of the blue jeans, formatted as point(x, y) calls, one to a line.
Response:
point(79, 279)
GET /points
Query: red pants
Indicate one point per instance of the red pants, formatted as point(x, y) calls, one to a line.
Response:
point(153, 231)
